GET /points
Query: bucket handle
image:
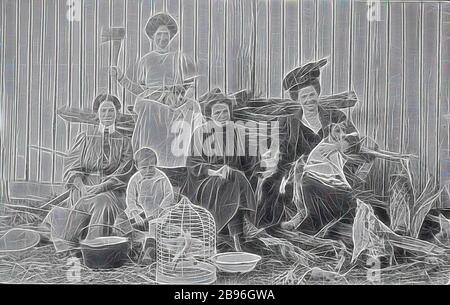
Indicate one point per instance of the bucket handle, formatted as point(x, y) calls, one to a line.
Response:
point(103, 225)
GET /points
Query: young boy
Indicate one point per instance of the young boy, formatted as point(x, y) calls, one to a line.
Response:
point(149, 190)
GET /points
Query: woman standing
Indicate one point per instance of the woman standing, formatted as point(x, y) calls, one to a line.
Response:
point(161, 67)
point(167, 113)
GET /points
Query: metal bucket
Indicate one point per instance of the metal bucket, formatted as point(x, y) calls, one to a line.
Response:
point(105, 252)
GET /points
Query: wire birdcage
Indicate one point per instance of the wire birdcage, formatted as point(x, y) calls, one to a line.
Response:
point(185, 243)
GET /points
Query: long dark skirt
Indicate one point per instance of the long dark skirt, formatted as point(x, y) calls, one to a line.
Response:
point(325, 204)
point(272, 204)
point(224, 198)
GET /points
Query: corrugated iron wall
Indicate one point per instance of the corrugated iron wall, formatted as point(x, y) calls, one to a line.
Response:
point(398, 65)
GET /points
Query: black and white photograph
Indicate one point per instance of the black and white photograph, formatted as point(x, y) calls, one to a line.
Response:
point(225, 142)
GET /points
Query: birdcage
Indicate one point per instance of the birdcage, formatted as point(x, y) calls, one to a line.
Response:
point(185, 244)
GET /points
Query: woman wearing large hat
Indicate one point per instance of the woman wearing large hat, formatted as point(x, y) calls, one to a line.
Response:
point(162, 66)
point(299, 135)
point(165, 92)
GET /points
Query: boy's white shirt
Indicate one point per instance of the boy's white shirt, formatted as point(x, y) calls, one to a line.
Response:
point(134, 193)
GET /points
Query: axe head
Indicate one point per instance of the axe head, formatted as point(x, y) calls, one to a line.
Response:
point(110, 34)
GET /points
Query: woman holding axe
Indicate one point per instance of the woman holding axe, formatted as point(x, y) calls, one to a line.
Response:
point(166, 112)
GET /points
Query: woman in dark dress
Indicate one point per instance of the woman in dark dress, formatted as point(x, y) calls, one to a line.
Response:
point(299, 134)
point(216, 166)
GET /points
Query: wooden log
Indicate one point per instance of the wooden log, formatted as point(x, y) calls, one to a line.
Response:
point(124, 122)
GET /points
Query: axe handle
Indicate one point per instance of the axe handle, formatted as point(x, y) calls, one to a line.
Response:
point(56, 201)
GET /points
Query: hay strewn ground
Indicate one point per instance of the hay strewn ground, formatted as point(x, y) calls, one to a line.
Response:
point(43, 265)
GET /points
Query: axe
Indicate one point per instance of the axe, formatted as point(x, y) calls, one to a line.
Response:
point(115, 36)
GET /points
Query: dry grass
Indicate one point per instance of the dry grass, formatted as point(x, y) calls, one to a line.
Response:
point(288, 258)
point(43, 265)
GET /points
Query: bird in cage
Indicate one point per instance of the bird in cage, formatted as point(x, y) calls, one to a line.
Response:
point(184, 245)
point(186, 241)
point(185, 253)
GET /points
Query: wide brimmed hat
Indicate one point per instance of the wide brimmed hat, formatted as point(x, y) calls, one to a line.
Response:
point(215, 96)
point(303, 76)
point(103, 98)
point(158, 20)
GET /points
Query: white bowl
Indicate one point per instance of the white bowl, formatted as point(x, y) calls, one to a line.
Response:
point(235, 262)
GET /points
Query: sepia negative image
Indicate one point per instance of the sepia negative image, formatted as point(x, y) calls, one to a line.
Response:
point(256, 142)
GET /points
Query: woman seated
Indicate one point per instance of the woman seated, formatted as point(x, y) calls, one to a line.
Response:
point(327, 195)
point(299, 135)
point(98, 168)
point(215, 168)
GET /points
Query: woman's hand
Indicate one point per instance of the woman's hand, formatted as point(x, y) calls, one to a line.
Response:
point(223, 172)
point(115, 72)
point(79, 185)
point(135, 215)
point(213, 173)
point(93, 190)
point(226, 171)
